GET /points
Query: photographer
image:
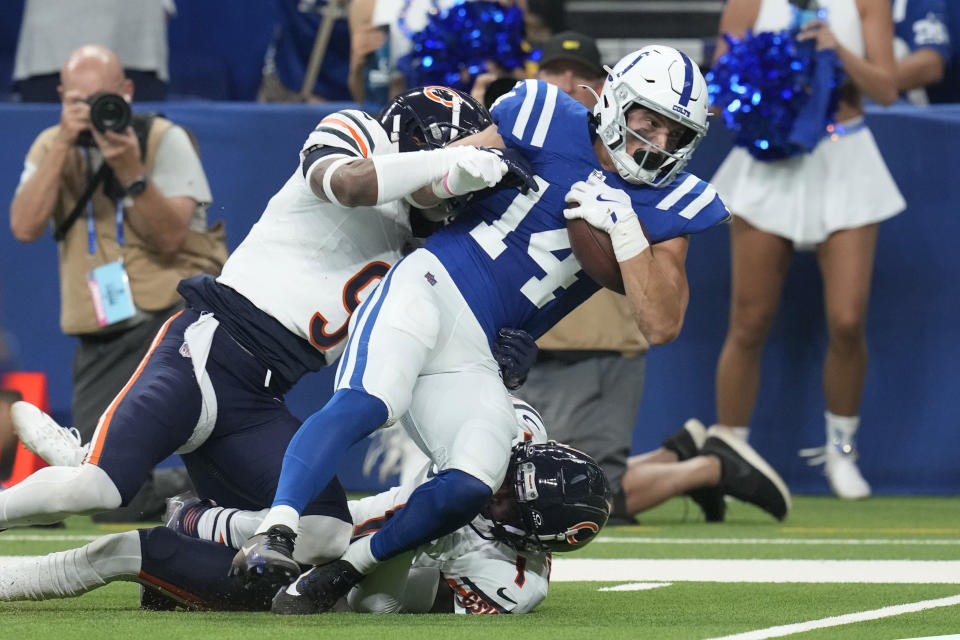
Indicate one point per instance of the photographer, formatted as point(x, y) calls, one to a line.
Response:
point(127, 206)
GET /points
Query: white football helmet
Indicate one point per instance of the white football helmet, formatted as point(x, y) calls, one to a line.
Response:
point(663, 80)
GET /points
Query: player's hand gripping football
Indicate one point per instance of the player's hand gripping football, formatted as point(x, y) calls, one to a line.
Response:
point(609, 210)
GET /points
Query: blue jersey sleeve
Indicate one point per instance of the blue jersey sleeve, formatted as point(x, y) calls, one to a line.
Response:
point(537, 116)
point(687, 205)
point(924, 26)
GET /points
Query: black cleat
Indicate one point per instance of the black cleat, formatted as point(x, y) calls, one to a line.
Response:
point(267, 556)
point(686, 443)
point(747, 476)
point(317, 590)
point(711, 502)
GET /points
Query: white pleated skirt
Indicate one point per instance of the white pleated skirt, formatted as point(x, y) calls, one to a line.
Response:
point(842, 184)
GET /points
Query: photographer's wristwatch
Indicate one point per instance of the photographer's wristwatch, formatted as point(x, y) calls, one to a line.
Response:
point(136, 187)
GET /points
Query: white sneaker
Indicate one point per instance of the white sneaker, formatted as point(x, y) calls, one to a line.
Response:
point(840, 466)
point(844, 475)
point(58, 446)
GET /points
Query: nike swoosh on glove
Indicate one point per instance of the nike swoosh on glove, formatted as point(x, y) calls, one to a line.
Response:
point(610, 210)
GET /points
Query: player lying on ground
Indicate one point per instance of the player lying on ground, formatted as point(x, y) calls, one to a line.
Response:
point(211, 387)
point(554, 499)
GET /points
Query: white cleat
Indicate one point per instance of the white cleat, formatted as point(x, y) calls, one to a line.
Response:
point(839, 462)
point(58, 446)
point(844, 476)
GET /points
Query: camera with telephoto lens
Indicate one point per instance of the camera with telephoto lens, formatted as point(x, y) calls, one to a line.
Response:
point(108, 112)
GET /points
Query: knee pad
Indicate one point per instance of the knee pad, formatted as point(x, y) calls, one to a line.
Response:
point(321, 539)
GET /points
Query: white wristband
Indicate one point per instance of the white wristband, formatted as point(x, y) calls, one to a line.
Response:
point(401, 173)
point(628, 239)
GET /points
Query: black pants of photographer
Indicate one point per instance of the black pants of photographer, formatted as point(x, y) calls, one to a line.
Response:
point(148, 87)
point(102, 365)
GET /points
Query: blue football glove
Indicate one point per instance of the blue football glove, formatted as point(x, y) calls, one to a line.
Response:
point(520, 173)
point(515, 351)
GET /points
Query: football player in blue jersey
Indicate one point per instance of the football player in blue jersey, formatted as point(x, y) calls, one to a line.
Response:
point(922, 46)
point(422, 341)
point(211, 387)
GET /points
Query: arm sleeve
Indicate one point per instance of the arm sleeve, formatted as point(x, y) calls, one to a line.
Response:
point(927, 27)
point(178, 171)
point(349, 133)
point(535, 115)
point(507, 583)
point(35, 156)
point(692, 206)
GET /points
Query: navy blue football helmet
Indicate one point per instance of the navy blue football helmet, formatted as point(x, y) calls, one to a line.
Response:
point(562, 499)
point(432, 117)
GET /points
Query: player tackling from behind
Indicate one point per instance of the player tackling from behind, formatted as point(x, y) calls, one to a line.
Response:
point(423, 341)
point(212, 384)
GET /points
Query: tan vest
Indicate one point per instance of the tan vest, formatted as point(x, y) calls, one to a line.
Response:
point(603, 323)
point(153, 277)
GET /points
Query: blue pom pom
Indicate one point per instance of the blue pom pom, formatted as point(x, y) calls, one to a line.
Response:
point(778, 95)
point(458, 42)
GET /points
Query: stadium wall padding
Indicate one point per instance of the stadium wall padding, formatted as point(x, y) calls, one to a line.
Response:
point(910, 438)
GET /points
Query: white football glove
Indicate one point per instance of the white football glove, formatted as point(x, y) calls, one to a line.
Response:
point(474, 170)
point(609, 210)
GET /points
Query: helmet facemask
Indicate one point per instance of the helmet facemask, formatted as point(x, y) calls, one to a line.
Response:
point(560, 499)
point(664, 81)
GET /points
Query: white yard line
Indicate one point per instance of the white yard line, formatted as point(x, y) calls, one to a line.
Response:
point(774, 541)
point(636, 586)
point(835, 621)
point(36, 537)
point(834, 571)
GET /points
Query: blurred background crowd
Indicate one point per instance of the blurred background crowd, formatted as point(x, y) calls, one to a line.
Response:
point(213, 67)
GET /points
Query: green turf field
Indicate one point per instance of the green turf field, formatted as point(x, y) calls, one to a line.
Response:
point(879, 569)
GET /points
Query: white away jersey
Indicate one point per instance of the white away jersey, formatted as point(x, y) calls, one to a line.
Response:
point(486, 575)
point(309, 263)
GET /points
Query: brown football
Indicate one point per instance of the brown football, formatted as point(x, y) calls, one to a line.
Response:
point(595, 253)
